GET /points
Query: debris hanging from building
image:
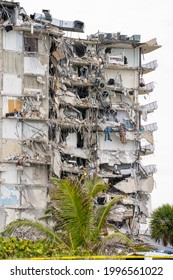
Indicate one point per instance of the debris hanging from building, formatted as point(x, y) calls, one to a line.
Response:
point(71, 107)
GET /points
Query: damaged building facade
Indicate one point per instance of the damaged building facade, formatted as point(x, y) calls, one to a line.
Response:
point(71, 107)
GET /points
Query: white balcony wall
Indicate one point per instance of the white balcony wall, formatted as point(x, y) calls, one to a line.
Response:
point(32, 65)
point(13, 41)
point(35, 129)
point(37, 175)
point(115, 144)
point(9, 175)
point(11, 129)
point(129, 78)
point(12, 85)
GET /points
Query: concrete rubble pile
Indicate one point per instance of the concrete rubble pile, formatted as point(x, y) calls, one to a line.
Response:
point(71, 107)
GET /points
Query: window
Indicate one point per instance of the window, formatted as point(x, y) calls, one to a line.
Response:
point(30, 44)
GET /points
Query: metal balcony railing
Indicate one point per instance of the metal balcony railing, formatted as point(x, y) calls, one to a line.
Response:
point(147, 149)
point(150, 127)
point(146, 88)
point(148, 67)
point(150, 169)
point(149, 108)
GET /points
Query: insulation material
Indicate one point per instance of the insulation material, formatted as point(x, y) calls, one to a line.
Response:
point(13, 41)
point(29, 197)
point(10, 149)
point(127, 186)
point(32, 65)
point(11, 129)
point(12, 85)
point(9, 197)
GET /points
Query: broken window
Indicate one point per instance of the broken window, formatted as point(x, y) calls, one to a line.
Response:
point(101, 200)
point(79, 49)
point(30, 44)
point(7, 12)
point(108, 50)
point(80, 140)
point(83, 92)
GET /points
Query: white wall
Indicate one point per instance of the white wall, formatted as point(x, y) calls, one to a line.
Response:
point(12, 85)
point(115, 144)
point(129, 78)
point(11, 129)
point(13, 41)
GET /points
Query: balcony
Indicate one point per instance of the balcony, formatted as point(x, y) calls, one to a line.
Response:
point(150, 127)
point(150, 169)
point(149, 108)
point(148, 67)
point(147, 150)
point(146, 88)
point(149, 46)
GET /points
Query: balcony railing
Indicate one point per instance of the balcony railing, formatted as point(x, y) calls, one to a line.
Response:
point(150, 127)
point(147, 149)
point(148, 67)
point(149, 108)
point(146, 88)
point(150, 169)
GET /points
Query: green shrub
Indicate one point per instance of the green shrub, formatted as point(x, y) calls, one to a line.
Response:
point(15, 248)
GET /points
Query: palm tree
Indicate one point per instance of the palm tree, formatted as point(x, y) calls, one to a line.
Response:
point(77, 222)
point(162, 224)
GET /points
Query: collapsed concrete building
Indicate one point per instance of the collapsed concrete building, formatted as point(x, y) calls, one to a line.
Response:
point(71, 107)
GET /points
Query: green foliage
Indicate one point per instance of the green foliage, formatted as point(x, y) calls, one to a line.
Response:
point(15, 248)
point(77, 220)
point(162, 224)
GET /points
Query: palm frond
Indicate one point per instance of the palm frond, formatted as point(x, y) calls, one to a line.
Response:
point(162, 224)
point(94, 186)
point(104, 210)
point(117, 237)
point(75, 211)
point(24, 225)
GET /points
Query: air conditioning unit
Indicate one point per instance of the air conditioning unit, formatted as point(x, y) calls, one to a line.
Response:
point(136, 38)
